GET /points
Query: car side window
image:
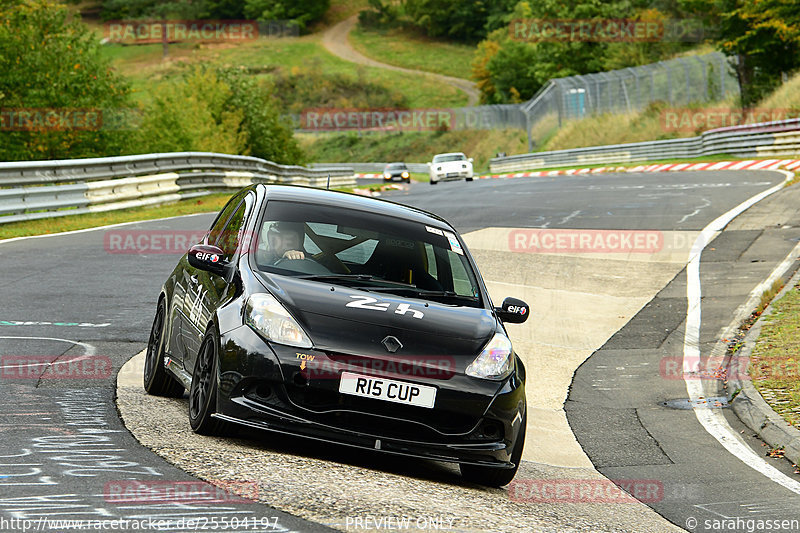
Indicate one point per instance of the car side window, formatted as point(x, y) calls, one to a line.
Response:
point(222, 219)
point(430, 256)
point(462, 283)
point(231, 235)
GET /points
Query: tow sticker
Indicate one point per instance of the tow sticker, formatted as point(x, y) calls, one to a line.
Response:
point(454, 244)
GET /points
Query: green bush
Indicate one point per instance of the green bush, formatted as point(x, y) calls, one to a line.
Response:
point(193, 114)
point(301, 12)
point(299, 90)
point(222, 111)
point(267, 136)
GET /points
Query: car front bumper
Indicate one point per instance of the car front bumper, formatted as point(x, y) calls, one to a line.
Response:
point(261, 389)
point(444, 176)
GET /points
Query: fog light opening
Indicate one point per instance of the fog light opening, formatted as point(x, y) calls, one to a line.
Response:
point(491, 431)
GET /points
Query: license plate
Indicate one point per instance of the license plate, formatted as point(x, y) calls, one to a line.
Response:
point(452, 175)
point(387, 390)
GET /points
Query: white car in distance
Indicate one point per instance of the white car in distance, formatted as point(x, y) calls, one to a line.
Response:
point(452, 166)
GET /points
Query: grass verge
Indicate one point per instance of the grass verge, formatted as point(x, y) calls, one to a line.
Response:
point(206, 204)
point(404, 49)
point(210, 203)
point(775, 361)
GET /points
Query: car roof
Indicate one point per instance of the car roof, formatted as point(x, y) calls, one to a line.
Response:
point(345, 200)
point(452, 153)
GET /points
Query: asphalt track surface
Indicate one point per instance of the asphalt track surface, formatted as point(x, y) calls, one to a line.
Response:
point(64, 450)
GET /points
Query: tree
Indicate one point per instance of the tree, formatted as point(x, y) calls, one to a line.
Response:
point(763, 38)
point(267, 135)
point(463, 20)
point(517, 65)
point(301, 12)
point(51, 61)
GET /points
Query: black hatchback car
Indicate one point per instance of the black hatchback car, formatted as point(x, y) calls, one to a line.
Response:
point(343, 319)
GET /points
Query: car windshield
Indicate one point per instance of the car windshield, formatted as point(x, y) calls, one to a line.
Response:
point(449, 157)
point(368, 251)
point(396, 166)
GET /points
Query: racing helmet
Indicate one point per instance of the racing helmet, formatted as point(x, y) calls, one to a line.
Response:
point(278, 232)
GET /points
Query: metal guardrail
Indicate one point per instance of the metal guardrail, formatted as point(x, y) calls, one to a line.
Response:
point(371, 168)
point(765, 139)
point(42, 189)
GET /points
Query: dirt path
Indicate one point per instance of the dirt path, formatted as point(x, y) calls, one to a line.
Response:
point(334, 39)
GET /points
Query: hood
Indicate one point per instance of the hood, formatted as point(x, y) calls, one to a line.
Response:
point(351, 321)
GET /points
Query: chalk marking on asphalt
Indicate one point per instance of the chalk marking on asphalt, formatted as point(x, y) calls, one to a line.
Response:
point(706, 203)
point(712, 420)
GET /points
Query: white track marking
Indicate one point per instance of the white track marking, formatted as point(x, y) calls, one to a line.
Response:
point(711, 419)
point(86, 230)
point(88, 349)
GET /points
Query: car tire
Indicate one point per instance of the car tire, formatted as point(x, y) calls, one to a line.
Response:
point(407, 180)
point(469, 179)
point(203, 393)
point(157, 380)
point(434, 182)
point(497, 477)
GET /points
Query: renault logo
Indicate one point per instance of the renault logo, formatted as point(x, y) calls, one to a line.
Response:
point(392, 344)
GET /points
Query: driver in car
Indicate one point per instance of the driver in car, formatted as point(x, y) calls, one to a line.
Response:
point(286, 240)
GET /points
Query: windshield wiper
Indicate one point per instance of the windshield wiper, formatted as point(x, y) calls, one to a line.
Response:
point(446, 294)
point(423, 293)
point(324, 277)
point(358, 277)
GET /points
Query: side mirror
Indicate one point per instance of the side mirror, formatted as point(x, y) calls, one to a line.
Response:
point(470, 160)
point(513, 311)
point(428, 163)
point(208, 258)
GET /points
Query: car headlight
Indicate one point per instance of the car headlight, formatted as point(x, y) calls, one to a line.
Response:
point(386, 175)
point(494, 362)
point(269, 318)
point(405, 174)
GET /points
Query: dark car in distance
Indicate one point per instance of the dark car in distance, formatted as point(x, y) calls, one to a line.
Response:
point(396, 171)
point(343, 319)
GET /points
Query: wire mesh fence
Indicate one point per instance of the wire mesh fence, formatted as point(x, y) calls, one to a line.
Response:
point(684, 81)
point(681, 81)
